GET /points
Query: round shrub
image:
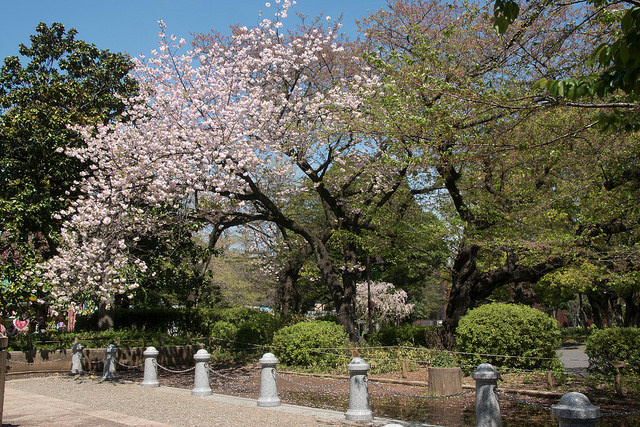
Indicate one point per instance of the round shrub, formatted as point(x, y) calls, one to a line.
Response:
point(614, 344)
point(494, 331)
point(305, 344)
point(224, 333)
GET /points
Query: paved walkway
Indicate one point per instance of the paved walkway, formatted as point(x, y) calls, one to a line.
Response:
point(574, 358)
point(65, 401)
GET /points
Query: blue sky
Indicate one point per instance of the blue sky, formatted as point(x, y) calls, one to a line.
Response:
point(132, 25)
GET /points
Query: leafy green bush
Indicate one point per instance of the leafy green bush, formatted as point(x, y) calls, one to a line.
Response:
point(497, 330)
point(613, 344)
point(410, 335)
point(224, 333)
point(309, 344)
point(56, 340)
point(195, 321)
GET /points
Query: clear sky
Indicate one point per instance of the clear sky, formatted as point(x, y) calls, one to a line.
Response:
point(132, 25)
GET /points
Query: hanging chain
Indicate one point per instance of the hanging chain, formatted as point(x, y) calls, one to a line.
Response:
point(418, 396)
point(525, 402)
point(621, 414)
point(312, 386)
point(244, 378)
point(128, 366)
point(173, 371)
point(38, 363)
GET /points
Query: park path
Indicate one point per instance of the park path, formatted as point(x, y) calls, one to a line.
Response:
point(574, 358)
point(67, 401)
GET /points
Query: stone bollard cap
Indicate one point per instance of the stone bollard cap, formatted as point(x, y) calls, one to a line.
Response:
point(358, 364)
point(485, 371)
point(575, 406)
point(268, 359)
point(150, 351)
point(202, 354)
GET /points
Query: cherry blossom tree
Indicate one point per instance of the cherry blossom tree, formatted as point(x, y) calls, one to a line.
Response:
point(388, 304)
point(226, 135)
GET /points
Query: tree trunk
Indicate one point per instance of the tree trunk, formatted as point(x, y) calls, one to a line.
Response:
point(288, 295)
point(632, 311)
point(342, 294)
point(105, 315)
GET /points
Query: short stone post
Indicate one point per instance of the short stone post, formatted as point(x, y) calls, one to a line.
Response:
point(487, 406)
point(359, 409)
point(201, 384)
point(77, 359)
point(575, 410)
point(150, 368)
point(109, 370)
point(268, 381)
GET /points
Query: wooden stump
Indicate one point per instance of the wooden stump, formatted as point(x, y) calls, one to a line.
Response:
point(445, 381)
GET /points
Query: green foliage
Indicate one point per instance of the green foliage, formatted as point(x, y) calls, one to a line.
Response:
point(309, 344)
point(617, 58)
point(224, 333)
point(495, 330)
point(63, 82)
point(57, 340)
point(613, 344)
point(252, 326)
point(407, 334)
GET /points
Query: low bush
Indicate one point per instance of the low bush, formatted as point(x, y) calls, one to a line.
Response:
point(614, 344)
point(57, 340)
point(409, 335)
point(508, 335)
point(313, 344)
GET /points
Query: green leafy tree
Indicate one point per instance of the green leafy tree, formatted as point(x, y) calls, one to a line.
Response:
point(615, 81)
point(499, 166)
point(57, 83)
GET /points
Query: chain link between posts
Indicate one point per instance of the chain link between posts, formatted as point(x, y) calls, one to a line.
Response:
point(243, 378)
point(38, 363)
point(312, 386)
point(621, 414)
point(174, 371)
point(418, 396)
point(128, 366)
point(525, 402)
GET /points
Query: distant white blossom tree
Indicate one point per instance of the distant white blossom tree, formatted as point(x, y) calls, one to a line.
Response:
point(388, 304)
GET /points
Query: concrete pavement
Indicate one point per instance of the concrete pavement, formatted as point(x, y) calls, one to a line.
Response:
point(65, 401)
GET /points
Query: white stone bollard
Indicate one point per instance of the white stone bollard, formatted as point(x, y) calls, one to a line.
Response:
point(359, 409)
point(150, 368)
point(77, 359)
point(201, 384)
point(268, 381)
point(487, 406)
point(109, 370)
point(575, 409)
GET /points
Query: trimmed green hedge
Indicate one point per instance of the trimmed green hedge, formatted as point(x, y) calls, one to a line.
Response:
point(408, 335)
point(310, 344)
point(239, 329)
point(496, 330)
point(613, 344)
point(56, 340)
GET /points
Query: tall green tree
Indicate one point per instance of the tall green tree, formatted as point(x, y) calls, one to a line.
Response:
point(57, 82)
point(500, 166)
point(615, 81)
